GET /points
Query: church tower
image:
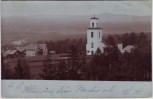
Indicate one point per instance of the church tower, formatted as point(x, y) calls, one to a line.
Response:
point(94, 37)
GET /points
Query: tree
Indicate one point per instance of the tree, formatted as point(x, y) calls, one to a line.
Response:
point(110, 40)
point(98, 51)
point(74, 62)
point(83, 71)
point(94, 67)
point(62, 70)
point(113, 57)
point(6, 70)
point(132, 38)
point(125, 39)
point(48, 70)
point(142, 40)
point(22, 70)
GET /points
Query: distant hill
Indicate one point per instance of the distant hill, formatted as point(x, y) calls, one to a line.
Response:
point(36, 28)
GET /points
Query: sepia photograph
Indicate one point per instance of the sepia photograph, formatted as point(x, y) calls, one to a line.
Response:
point(76, 40)
point(79, 49)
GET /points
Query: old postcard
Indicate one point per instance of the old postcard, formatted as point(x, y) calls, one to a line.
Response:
point(76, 49)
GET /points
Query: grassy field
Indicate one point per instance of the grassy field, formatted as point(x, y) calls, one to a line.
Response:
point(35, 63)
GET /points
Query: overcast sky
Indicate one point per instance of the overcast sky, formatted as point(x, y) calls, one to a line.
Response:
point(28, 8)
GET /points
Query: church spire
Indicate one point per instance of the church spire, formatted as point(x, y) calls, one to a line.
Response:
point(94, 22)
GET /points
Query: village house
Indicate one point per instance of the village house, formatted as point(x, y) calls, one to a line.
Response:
point(6, 53)
point(128, 48)
point(36, 49)
point(11, 53)
point(21, 50)
point(28, 50)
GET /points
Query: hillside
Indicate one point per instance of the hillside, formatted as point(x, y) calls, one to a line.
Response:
point(57, 27)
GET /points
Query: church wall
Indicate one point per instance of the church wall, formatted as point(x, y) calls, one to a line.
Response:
point(96, 40)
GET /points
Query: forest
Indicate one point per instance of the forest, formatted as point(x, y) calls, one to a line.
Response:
point(112, 65)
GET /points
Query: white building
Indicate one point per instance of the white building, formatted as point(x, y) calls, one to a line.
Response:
point(31, 50)
point(36, 49)
point(128, 48)
point(94, 37)
point(44, 49)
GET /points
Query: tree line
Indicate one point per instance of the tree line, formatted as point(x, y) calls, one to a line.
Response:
point(110, 65)
point(61, 46)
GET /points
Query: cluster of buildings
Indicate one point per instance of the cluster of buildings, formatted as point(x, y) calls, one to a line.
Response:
point(25, 50)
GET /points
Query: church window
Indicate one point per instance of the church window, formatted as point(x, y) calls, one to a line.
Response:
point(92, 45)
point(92, 34)
point(92, 24)
point(99, 34)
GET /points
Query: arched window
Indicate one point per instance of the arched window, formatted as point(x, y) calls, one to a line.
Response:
point(92, 24)
point(92, 45)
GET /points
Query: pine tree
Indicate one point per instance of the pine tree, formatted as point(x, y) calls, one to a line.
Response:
point(62, 70)
point(22, 70)
point(110, 40)
point(74, 63)
point(48, 71)
point(95, 65)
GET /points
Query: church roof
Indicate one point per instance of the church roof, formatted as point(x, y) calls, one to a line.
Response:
point(95, 28)
point(94, 18)
point(128, 48)
point(103, 44)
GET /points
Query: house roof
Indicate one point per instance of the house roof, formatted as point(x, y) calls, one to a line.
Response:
point(13, 52)
point(20, 49)
point(35, 46)
point(32, 47)
point(41, 46)
point(103, 44)
point(7, 52)
point(128, 48)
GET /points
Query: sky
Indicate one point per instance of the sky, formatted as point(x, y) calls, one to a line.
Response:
point(29, 8)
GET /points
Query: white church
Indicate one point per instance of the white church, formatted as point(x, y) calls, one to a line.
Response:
point(94, 39)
